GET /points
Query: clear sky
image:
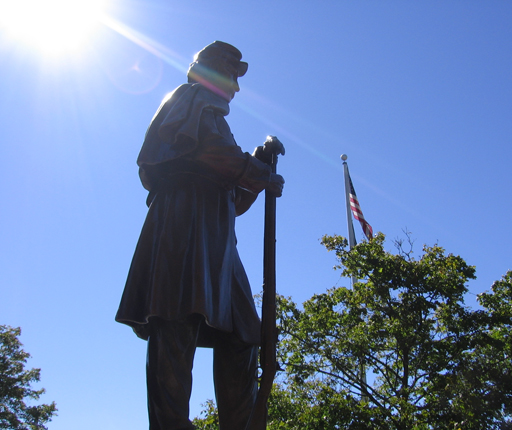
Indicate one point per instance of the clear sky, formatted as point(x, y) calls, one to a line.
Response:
point(417, 94)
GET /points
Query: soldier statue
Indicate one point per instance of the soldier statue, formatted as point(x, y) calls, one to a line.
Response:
point(186, 286)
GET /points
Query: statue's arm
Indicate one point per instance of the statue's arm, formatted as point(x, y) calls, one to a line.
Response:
point(243, 200)
point(218, 153)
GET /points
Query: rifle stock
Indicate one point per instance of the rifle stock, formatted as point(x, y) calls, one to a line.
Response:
point(268, 363)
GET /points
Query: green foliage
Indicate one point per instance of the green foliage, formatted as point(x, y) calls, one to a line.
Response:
point(314, 404)
point(15, 387)
point(432, 363)
point(209, 419)
point(397, 350)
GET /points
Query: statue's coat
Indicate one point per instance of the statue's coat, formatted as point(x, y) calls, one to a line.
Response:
point(186, 261)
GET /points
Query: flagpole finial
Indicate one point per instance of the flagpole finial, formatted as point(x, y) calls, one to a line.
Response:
point(344, 157)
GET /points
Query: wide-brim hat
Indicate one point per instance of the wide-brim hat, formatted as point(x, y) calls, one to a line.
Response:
point(222, 51)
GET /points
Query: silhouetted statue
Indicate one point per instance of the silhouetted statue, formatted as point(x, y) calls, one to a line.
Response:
point(186, 286)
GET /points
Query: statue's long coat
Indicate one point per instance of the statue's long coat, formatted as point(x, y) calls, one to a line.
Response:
point(186, 259)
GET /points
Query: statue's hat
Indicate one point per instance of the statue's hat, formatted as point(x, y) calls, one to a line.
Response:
point(223, 51)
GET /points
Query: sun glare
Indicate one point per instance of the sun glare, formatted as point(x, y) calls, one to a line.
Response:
point(53, 26)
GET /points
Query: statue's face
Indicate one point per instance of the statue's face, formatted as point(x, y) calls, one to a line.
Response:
point(232, 87)
point(221, 77)
point(228, 82)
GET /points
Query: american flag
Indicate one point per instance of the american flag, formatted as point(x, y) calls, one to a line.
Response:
point(357, 212)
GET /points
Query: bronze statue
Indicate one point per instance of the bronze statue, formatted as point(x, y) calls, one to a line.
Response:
point(186, 286)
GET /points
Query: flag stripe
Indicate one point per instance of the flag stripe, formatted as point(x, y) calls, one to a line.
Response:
point(357, 212)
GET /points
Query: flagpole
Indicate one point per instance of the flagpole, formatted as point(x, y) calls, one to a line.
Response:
point(352, 243)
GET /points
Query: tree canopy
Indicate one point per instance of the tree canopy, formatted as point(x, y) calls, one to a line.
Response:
point(398, 349)
point(16, 394)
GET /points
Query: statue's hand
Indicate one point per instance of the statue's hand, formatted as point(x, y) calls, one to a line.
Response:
point(276, 184)
point(272, 146)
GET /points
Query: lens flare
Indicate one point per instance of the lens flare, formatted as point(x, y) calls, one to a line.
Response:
point(52, 26)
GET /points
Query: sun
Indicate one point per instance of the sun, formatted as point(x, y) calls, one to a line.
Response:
point(52, 26)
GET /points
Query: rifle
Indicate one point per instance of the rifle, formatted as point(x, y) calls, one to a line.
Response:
point(268, 362)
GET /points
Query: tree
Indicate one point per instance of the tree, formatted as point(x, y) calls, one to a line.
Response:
point(396, 350)
point(211, 417)
point(15, 387)
point(490, 395)
point(432, 363)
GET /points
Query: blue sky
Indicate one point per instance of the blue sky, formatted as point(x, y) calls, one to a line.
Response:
point(417, 94)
